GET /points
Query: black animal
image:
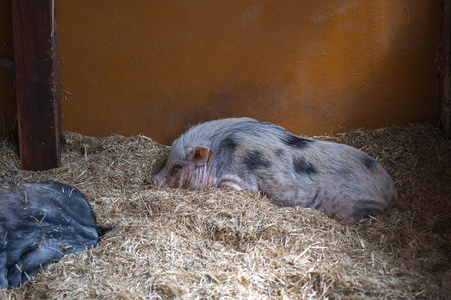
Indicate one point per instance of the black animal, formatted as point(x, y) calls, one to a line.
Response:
point(39, 224)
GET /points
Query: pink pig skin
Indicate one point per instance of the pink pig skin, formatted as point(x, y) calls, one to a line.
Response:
point(246, 154)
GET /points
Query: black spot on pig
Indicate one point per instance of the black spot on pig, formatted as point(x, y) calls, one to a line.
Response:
point(279, 152)
point(228, 145)
point(255, 160)
point(365, 208)
point(313, 200)
point(287, 137)
point(303, 167)
point(226, 153)
point(369, 162)
point(294, 140)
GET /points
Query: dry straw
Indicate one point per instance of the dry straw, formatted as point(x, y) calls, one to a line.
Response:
point(220, 243)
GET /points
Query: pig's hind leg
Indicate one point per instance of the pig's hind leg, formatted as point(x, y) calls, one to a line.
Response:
point(289, 194)
point(312, 197)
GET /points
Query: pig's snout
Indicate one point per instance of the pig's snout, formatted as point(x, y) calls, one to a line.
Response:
point(162, 178)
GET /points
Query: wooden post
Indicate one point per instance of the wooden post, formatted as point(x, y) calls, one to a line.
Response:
point(37, 83)
point(444, 101)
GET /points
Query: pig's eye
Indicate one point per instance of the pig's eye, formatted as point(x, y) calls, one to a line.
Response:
point(176, 168)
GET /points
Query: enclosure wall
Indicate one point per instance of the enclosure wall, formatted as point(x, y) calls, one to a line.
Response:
point(315, 67)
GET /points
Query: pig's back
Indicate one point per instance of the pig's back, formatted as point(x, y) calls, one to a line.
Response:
point(211, 132)
point(331, 177)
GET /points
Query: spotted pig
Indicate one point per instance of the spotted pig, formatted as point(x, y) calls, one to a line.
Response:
point(247, 154)
point(39, 224)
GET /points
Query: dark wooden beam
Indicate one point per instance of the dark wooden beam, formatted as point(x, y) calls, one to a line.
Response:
point(37, 83)
point(444, 103)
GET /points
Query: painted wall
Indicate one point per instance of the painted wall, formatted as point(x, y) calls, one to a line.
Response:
point(314, 67)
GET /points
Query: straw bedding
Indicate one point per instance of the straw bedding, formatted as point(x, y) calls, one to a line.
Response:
point(220, 243)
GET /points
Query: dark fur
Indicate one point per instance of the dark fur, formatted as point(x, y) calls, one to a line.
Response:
point(303, 167)
point(226, 150)
point(254, 160)
point(287, 137)
point(369, 162)
point(366, 209)
point(39, 224)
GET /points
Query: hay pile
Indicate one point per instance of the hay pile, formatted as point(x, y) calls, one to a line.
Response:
point(220, 243)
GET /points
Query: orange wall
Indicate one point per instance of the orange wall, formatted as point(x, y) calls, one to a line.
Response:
point(312, 66)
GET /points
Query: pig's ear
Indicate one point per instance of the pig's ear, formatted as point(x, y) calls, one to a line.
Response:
point(201, 155)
